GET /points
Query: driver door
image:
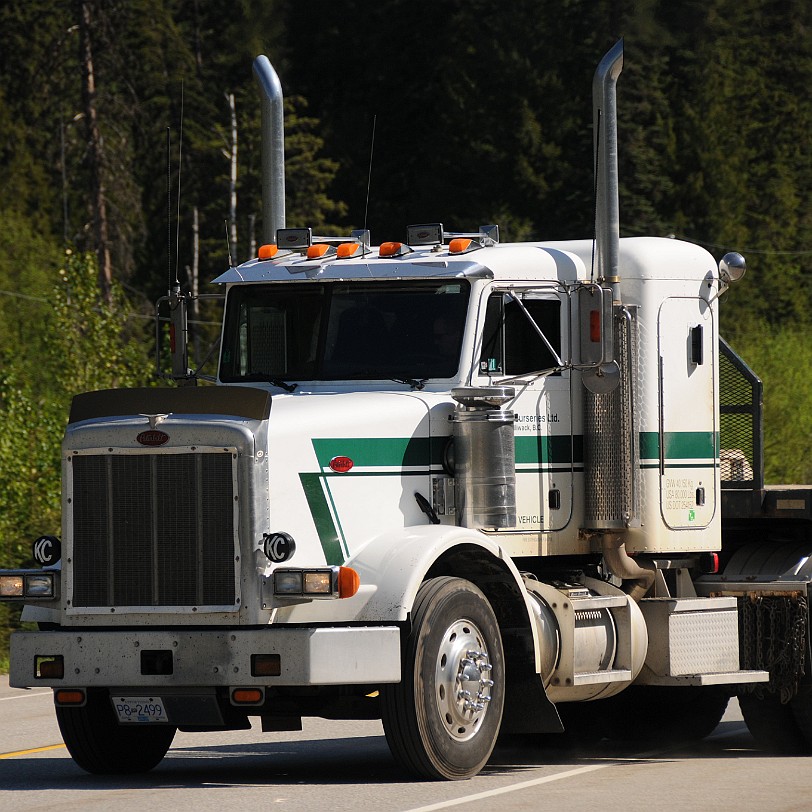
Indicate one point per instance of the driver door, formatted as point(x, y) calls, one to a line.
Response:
point(512, 352)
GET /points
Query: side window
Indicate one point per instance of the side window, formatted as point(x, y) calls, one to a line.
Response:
point(510, 344)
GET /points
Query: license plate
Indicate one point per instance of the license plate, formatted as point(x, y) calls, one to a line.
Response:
point(140, 709)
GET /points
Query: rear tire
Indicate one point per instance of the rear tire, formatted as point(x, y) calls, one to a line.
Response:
point(442, 719)
point(801, 705)
point(773, 724)
point(100, 745)
point(665, 714)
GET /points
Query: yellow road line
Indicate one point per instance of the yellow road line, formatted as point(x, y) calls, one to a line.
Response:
point(32, 750)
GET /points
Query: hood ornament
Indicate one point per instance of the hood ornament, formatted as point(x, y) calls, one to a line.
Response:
point(155, 419)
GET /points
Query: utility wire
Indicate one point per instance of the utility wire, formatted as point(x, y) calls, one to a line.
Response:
point(637, 231)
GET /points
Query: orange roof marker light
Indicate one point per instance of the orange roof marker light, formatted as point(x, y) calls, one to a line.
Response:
point(349, 249)
point(433, 235)
point(268, 251)
point(460, 245)
point(393, 249)
point(320, 250)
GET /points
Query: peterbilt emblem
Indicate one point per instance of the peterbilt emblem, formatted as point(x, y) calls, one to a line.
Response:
point(152, 437)
point(341, 464)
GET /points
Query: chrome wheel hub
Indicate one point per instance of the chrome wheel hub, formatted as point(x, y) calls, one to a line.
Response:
point(463, 681)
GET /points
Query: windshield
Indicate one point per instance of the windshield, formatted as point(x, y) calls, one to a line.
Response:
point(329, 331)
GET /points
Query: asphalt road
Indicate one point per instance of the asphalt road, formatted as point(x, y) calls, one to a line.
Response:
point(339, 766)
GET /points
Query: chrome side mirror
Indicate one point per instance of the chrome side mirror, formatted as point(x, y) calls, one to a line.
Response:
point(732, 267)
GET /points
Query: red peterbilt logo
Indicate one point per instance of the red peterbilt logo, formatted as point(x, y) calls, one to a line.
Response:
point(341, 464)
point(152, 437)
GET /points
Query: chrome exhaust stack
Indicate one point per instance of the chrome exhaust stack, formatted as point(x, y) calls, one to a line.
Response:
point(273, 149)
point(607, 207)
point(611, 457)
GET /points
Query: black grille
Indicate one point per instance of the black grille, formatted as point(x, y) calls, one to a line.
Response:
point(153, 530)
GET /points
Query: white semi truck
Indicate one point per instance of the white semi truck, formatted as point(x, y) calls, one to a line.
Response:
point(468, 487)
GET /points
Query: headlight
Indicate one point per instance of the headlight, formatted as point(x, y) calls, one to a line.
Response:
point(40, 585)
point(320, 583)
point(28, 585)
point(287, 582)
point(11, 586)
point(324, 582)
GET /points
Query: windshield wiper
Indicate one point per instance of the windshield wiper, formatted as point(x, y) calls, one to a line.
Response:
point(288, 387)
point(262, 378)
point(415, 383)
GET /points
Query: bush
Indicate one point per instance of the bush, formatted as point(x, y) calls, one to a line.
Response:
point(80, 344)
point(782, 357)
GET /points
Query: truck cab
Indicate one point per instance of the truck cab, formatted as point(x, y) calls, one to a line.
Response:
point(461, 485)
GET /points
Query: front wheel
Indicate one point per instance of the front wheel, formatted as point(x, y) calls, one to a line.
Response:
point(100, 745)
point(442, 719)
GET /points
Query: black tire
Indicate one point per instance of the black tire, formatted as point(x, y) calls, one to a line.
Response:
point(584, 723)
point(654, 714)
point(773, 724)
point(801, 705)
point(100, 745)
point(432, 729)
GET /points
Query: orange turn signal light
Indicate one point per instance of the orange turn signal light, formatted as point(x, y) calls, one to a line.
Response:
point(247, 696)
point(348, 582)
point(69, 697)
point(268, 251)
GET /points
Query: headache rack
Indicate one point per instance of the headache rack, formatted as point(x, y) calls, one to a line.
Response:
point(741, 440)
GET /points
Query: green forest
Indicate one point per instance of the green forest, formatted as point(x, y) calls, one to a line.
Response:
point(129, 152)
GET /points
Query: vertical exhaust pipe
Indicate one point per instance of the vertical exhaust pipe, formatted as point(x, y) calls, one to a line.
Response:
point(607, 207)
point(273, 149)
point(611, 464)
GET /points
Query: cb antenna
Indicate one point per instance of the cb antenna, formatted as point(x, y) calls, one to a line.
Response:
point(173, 279)
point(180, 167)
point(369, 174)
point(178, 303)
point(228, 245)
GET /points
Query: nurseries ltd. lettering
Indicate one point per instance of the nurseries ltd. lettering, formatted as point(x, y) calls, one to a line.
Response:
point(531, 422)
